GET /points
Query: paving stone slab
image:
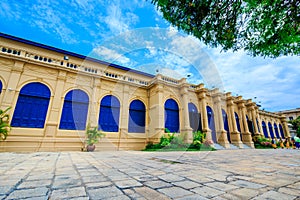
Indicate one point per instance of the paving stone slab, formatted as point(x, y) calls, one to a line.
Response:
point(128, 183)
point(221, 186)
point(105, 192)
point(186, 184)
point(149, 193)
point(207, 191)
point(35, 184)
point(171, 177)
point(157, 184)
point(175, 192)
point(68, 193)
point(247, 184)
point(245, 193)
point(28, 193)
point(273, 195)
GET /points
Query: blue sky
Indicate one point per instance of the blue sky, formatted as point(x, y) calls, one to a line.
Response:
point(134, 34)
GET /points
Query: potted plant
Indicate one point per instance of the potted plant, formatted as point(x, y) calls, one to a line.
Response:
point(4, 124)
point(93, 135)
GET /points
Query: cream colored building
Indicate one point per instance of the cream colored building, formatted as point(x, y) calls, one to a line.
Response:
point(54, 94)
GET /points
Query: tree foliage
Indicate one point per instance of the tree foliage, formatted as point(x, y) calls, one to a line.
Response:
point(269, 28)
point(296, 125)
point(4, 124)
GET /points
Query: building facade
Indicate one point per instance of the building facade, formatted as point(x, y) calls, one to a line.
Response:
point(291, 114)
point(54, 94)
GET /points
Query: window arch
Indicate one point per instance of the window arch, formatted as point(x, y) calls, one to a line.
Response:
point(32, 106)
point(264, 127)
point(276, 131)
point(75, 109)
point(172, 115)
point(226, 127)
point(194, 117)
point(271, 130)
point(109, 114)
point(281, 131)
point(137, 115)
point(211, 123)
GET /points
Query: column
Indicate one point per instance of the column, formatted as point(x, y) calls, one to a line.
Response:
point(11, 94)
point(156, 113)
point(205, 127)
point(247, 139)
point(235, 134)
point(51, 125)
point(285, 127)
point(259, 122)
point(186, 121)
point(221, 133)
point(123, 132)
point(256, 132)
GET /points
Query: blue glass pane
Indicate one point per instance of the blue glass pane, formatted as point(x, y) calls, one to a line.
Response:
point(171, 105)
point(75, 109)
point(238, 124)
point(110, 101)
point(36, 89)
point(194, 117)
point(211, 123)
point(109, 114)
point(264, 127)
point(271, 130)
point(77, 96)
point(276, 131)
point(0, 87)
point(136, 123)
point(32, 106)
point(171, 116)
point(226, 127)
point(281, 131)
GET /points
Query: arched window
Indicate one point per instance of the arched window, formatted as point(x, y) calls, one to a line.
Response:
point(32, 106)
point(226, 127)
point(250, 125)
point(195, 118)
point(109, 114)
point(136, 123)
point(211, 123)
point(238, 124)
point(172, 116)
point(271, 130)
point(258, 125)
point(281, 131)
point(264, 127)
point(276, 131)
point(1, 87)
point(75, 109)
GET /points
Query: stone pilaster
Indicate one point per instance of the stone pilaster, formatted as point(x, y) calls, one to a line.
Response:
point(204, 120)
point(221, 133)
point(186, 121)
point(246, 135)
point(235, 134)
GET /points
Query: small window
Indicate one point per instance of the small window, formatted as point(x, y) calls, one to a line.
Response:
point(291, 118)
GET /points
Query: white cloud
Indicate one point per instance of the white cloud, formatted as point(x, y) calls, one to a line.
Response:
point(111, 55)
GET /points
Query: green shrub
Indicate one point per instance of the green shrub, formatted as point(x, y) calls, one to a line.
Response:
point(4, 124)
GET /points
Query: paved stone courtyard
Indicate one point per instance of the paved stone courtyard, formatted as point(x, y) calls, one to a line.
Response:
point(225, 174)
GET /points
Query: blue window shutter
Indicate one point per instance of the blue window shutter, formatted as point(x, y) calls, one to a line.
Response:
point(263, 124)
point(271, 130)
point(75, 110)
point(172, 116)
point(226, 127)
point(32, 106)
point(276, 131)
point(136, 121)
point(211, 123)
point(194, 117)
point(281, 131)
point(109, 114)
point(1, 87)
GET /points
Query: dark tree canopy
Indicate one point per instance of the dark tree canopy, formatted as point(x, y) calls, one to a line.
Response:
point(268, 28)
